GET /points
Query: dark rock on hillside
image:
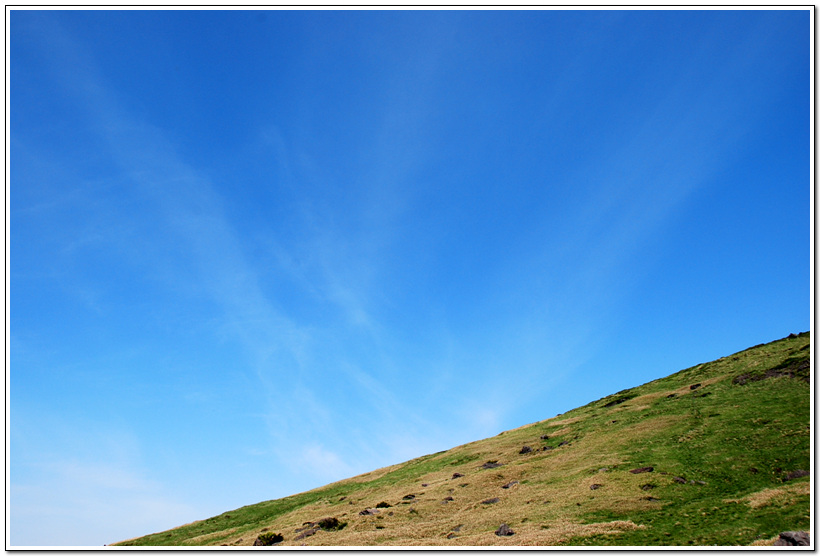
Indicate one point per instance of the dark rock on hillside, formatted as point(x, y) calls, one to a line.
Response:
point(491, 501)
point(564, 443)
point(793, 538)
point(525, 450)
point(383, 505)
point(545, 437)
point(457, 475)
point(449, 499)
point(306, 533)
point(545, 448)
point(695, 386)
point(408, 497)
point(796, 474)
point(510, 484)
point(492, 464)
point(504, 531)
point(595, 486)
point(369, 511)
point(642, 470)
point(680, 480)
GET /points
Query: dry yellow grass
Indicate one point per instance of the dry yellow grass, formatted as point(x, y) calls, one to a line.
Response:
point(543, 508)
point(779, 496)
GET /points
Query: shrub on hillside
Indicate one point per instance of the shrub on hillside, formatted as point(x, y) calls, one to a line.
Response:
point(268, 539)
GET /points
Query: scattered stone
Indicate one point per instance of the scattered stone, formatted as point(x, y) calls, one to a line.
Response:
point(383, 505)
point(342, 498)
point(525, 450)
point(457, 475)
point(647, 486)
point(424, 484)
point(680, 480)
point(408, 497)
point(491, 501)
point(695, 386)
point(369, 511)
point(793, 538)
point(492, 464)
point(545, 448)
point(792, 336)
point(564, 443)
point(796, 474)
point(642, 470)
point(457, 528)
point(511, 483)
point(595, 486)
point(545, 437)
point(448, 499)
point(451, 535)
point(306, 533)
point(504, 531)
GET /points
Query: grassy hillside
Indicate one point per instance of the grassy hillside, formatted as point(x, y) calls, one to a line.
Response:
point(717, 454)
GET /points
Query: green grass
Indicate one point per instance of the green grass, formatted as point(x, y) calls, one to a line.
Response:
point(721, 452)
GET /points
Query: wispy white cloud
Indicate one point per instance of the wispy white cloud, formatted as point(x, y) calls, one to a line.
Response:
point(192, 240)
point(83, 485)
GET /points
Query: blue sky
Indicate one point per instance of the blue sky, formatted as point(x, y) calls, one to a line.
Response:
point(256, 252)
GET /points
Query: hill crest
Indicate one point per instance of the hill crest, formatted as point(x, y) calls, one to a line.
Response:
point(716, 454)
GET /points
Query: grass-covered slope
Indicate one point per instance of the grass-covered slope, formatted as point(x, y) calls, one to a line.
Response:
point(717, 454)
